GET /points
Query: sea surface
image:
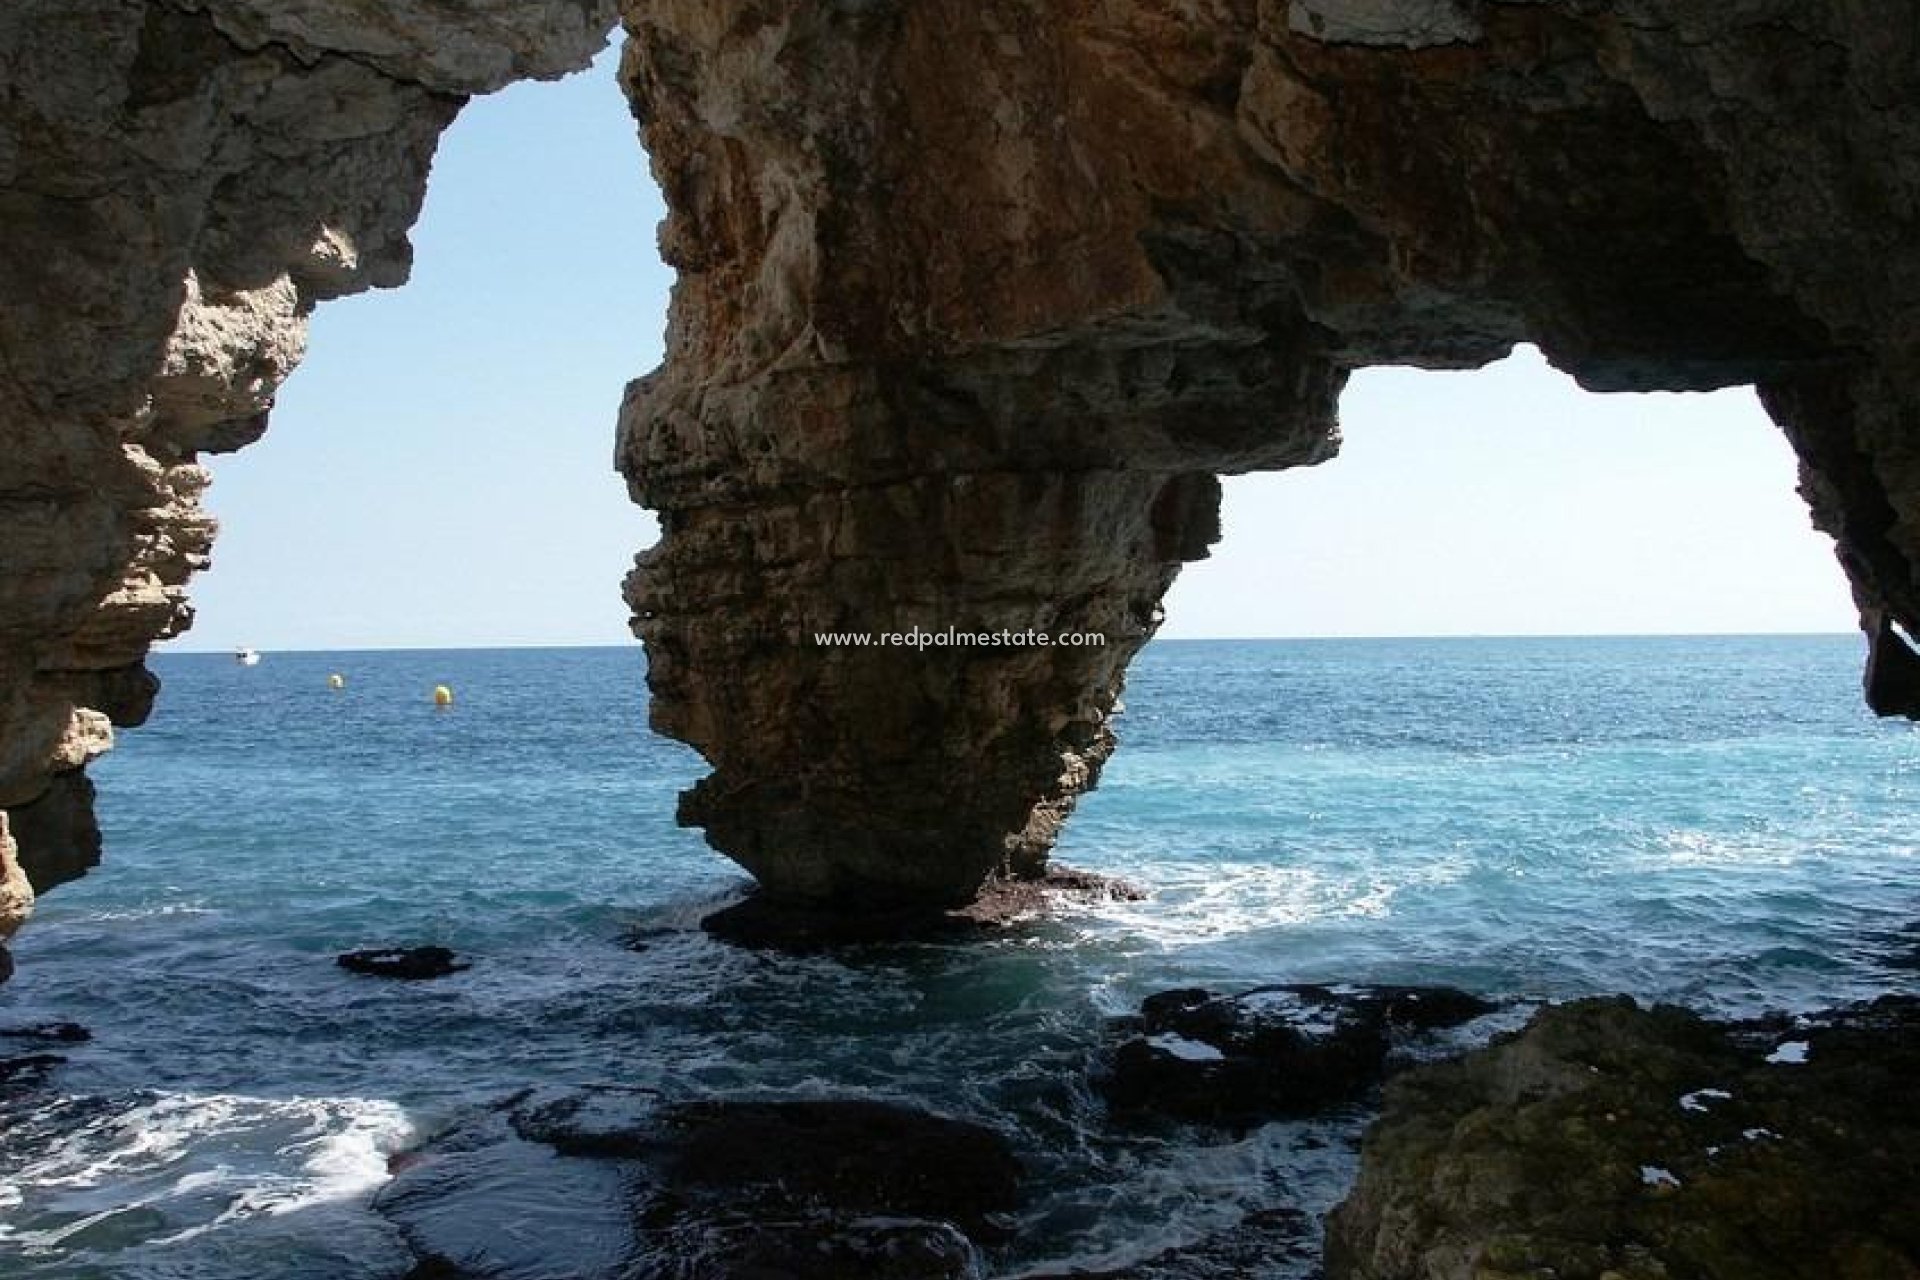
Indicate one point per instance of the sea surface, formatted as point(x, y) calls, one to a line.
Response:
point(1713, 821)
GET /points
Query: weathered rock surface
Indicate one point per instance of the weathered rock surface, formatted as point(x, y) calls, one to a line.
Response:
point(1610, 1142)
point(16, 891)
point(1271, 1052)
point(978, 296)
point(181, 182)
point(816, 1189)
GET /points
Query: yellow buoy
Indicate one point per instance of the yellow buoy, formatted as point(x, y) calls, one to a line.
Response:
point(336, 681)
point(442, 696)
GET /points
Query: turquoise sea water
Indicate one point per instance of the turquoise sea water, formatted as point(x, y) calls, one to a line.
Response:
point(1717, 821)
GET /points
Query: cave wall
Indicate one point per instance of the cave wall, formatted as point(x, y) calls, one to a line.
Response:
point(978, 296)
point(181, 183)
point(977, 299)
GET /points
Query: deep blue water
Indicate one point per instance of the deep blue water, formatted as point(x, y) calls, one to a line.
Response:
point(1717, 821)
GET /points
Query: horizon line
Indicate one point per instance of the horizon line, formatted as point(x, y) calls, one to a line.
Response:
point(1220, 639)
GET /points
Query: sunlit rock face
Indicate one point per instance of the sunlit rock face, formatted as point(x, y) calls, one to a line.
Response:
point(181, 181)
point(978, 296)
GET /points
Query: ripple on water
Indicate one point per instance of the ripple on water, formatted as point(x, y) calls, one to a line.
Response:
point(1712, 821)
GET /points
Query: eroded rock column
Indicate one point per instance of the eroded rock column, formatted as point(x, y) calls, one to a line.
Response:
point(925, 373)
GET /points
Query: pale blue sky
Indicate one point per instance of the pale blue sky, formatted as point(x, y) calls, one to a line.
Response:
point(439, 472)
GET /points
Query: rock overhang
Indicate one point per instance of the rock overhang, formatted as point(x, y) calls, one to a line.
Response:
point(976, 300)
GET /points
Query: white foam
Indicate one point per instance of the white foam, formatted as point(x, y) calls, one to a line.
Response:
point(207, 1159)
point(1186, 1050)
point(1196, 903)
point(1308, 1017)
point(1653, 1175)
point(1171, 1196)
point(143, 913)
point(1792, 1053)
point(1700, 1099)
point(1685, 848)
point(344, 1162)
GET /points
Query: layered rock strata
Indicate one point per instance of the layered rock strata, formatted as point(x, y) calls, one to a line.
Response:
point(978, 296)
point(181, 182)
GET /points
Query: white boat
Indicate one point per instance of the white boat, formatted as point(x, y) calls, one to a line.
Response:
point(247, 657)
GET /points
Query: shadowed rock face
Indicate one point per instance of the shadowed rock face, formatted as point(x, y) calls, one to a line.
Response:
point(977, 298)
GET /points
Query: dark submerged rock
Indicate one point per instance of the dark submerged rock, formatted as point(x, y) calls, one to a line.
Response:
point(409, 963)
point(1273, 1052)
point(27, 1072)
point(1611, 1142)
point(741, 1245)
point(600, 1123)
point(764, 921)
point(435, 1266)
point(851, 1157)
point(479, 1202)
point(820, 1190)
point(1279, 1241)
point(713, 1189)
point(49, 1033)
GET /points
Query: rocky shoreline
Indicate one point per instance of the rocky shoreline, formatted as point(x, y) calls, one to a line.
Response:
point(828, 1187)
point(1602, 1141)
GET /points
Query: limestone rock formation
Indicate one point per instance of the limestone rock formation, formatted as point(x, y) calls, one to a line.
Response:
point(181, 182)
point(978, 296)
point(16, 892)
point(1610, 1142)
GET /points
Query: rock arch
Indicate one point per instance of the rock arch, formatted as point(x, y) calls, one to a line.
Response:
point(977, 298)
